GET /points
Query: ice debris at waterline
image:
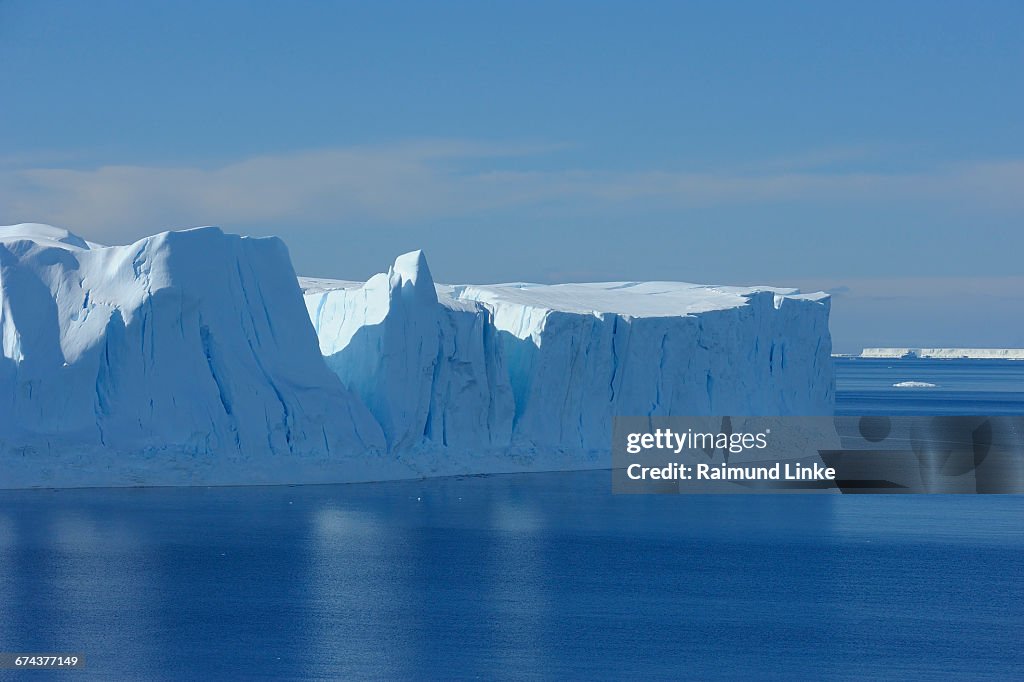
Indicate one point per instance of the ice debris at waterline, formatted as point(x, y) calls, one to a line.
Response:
point(189, 358)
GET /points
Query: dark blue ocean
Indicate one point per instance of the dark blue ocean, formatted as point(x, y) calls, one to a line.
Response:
point(990, 387)
point(531, 576)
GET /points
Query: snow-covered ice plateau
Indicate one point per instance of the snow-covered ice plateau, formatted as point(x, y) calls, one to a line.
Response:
point(188, 358)
point(512, 376)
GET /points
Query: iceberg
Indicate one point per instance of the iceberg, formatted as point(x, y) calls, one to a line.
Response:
point(430, 369)
point(528, 376)
point(199, 358)
point(186, 357)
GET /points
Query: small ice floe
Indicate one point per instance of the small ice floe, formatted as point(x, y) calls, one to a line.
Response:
point(914, 384)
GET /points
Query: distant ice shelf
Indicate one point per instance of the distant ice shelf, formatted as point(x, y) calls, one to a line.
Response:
point(195, 358)
point(945, 353)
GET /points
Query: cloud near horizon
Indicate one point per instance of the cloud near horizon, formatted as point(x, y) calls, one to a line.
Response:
point(424, 180)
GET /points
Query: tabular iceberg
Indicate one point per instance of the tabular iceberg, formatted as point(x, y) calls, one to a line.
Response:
point(186, 357)
point(189, 358)
point(525, 376)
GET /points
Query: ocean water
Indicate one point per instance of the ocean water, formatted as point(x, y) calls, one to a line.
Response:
point(525, 576)
point(990, 387)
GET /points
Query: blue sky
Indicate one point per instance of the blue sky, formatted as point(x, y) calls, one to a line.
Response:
point(855, 146)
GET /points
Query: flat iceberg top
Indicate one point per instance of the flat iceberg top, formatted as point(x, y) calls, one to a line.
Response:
point(318, 285)
point(47, 235)
point(58, 237)
point(636, 299)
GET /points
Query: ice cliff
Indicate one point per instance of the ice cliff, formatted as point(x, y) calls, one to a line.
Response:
point(530, 376)
point(185, 357)
point(189, 358)
point(430, 370)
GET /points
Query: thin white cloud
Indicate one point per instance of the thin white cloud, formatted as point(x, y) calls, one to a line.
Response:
point(430, 179)
point(822, 158)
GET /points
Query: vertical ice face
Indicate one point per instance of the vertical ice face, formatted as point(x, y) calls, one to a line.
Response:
point(431, 373)
point(554, 364)
point(188, 357)
point(581, 354)
point(186, 344)
point(471, 405)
